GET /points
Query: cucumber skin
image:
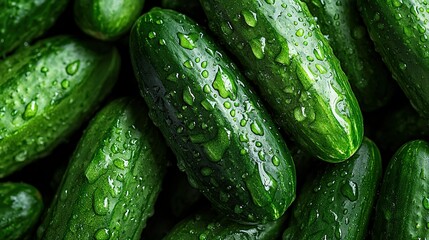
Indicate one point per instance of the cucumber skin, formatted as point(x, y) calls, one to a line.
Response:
point(210, 225)
point(41, 104)
point(202, 133)
point(399, 34)
point(400, 211)
point(120, 131)
point(347, 35)
point(20, 207)
point(311, 98)
point(316, 216)
point(22, 21)
point(106, 19)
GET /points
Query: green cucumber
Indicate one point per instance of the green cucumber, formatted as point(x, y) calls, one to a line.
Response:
point(402, 210)
point(221, 134)
point(23, 20)
point(213, 226)
point(106, 19)
point(20, 207)
point(291, 62)
point(347, 35)
point(399, 31)
point(113, 179)
point(337, 203)
point(47, 91)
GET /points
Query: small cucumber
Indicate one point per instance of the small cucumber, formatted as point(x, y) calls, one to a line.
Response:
point(347, 34)
point(106, 19)
point(210, 225)
point(20, 207)
point(113, 179)
point(283, 51)
point(221, 134)
point(402, 210)
point(337, 203)
point(399, 30)
point(23, 20)
point(47, 91)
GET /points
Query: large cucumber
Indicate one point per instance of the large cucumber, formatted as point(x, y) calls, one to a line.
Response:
point(399, 30)
point(285, 54)
point(221, 134)
point(47, 91)
point(113, 179)
point(338, 201)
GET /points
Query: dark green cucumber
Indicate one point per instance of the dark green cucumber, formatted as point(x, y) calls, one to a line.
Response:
point(338, 202)
point(23, 20)
point(47, 91)
point(402, 210)
point(213, 226)
point(399, 30)
point(289, 59)
point(221, 134)
point(20, 207)
point(113, 179)
point(347, 35)
point(106, 19)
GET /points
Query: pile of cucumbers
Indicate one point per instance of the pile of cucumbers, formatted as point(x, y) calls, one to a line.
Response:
point(214, 119)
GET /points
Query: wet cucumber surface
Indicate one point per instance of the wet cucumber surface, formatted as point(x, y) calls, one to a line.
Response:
point(20, 208)
point(399, 32)
point(284, 53)
point(222, 136)
point(113, 179)
point(22, 21)
point(346, 33)
point(46, 91)
point(402, 210)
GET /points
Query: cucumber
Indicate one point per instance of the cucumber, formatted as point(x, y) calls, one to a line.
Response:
point(47, 91)
point(347, 35)
point(399, 31)
point(20, 207)
point(23, 20)
point(113, 178)
point(283, 51)
point(337, 203)
point(106, 19)
point(402, 210)
point(210, 225)
point(221, 134)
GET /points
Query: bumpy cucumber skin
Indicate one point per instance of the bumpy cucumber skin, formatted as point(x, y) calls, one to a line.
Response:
point(222, 136)
point(22, 21)
point(348, 37)
point(47, 91)
point(209, 225)
point(402, 210)
point(289, 59)
point(113, 179)
point(20, 207)
point(399, 31)
point(106, 19)
point(338, 202)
